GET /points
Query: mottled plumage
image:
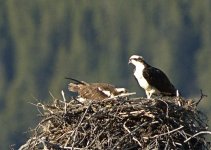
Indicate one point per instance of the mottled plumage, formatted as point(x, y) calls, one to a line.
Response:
point(94, 91)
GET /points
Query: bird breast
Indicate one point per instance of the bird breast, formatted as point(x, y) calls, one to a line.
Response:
point(141, 80)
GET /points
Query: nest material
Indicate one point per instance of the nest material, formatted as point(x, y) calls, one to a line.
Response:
point(121, 123)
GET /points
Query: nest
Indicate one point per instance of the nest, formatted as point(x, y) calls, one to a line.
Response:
point(120, 123)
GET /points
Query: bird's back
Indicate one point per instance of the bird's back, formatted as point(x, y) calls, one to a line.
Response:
point(96, 91)
point(159, 80)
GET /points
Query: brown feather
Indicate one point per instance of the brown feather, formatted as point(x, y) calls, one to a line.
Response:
point(94, 91)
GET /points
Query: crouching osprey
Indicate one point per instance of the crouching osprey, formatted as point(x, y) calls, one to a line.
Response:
point(94, 91)
point(151, 79)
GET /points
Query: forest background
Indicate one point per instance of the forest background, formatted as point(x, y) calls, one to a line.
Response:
point(43, 41)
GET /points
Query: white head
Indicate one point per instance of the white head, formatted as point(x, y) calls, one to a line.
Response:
point(136, 60)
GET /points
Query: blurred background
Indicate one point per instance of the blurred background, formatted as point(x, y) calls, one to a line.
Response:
point(42, 42)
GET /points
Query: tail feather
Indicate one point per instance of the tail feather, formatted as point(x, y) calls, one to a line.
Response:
point(76, 81)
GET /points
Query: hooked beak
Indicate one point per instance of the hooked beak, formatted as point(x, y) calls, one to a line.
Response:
point(129, 61)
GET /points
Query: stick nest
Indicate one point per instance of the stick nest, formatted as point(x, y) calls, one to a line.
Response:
point(121, 123)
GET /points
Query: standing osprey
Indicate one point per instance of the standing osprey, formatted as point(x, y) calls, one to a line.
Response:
point(94, 91)
point(151, 79)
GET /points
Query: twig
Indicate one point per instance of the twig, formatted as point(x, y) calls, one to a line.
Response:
point(65, 145)
point(120, 140)
point(76, 129)
point(166, 146)
point(97, 136)
point(74, 148)
point(37, 105)
point(65, 104)
point(126, 114)
point(168, 132)
point(202, 132)
point(134, 138)
point(43, 141)
point(121, 95)
point(51, 95)
point(26, 145)
point(201, 97)
point(167, 107)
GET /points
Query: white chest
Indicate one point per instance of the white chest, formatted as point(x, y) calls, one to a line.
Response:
point(139, 76)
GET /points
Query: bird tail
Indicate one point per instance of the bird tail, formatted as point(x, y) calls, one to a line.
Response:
point(76, 81)
point(76, 85)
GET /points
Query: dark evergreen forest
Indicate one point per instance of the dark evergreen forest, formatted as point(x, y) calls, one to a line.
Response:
point(42, 42)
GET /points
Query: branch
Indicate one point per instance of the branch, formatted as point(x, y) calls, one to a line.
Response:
point(202, 132)
point(202, 96)
point(76, 130)
point(168, 132)
point(121, 95)
point(167, 107)
point(134, 138)
point(143, 124)
point(65, 104)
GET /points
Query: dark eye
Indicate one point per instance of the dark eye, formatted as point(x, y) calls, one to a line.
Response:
point(137, 59)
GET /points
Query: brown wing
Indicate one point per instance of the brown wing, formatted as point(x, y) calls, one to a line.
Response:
point(92, 92)
point(104, 86)
point(95, 91)
point(109, 89)
point(159, 80)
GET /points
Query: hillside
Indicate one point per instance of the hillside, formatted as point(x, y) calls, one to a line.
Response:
point(43, 41)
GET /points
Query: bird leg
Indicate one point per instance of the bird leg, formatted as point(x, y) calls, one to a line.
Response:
point(148, 94)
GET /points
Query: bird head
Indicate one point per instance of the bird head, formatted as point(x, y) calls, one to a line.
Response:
point(136, 60)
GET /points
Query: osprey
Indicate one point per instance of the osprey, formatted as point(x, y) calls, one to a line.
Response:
point(151, 79)
point(94, 91)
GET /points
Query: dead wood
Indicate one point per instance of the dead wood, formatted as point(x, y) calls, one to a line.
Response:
point(120, 123)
